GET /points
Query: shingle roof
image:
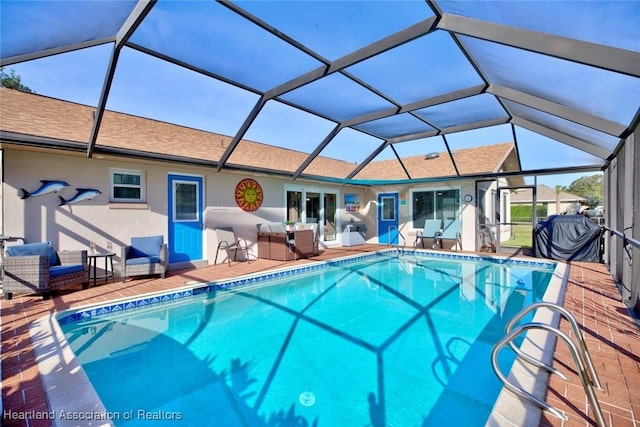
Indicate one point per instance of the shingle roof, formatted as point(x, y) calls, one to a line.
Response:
point(35, 115)
point(544, 194)
point(486, 159)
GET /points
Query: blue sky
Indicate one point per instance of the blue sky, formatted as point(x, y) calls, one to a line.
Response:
point(153, 88)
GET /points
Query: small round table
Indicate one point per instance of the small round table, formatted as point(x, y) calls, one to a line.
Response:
point(108, 262)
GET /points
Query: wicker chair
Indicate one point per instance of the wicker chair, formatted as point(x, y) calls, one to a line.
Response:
point(144, 256)
point(304, 241)
point(38, 268)
point(279, 242)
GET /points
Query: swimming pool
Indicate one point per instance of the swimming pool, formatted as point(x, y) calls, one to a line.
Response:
point(384, 339)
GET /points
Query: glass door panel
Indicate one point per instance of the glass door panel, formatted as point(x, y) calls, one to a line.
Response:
point(186, 201)
point(312, 207)
point(293, 205)
point(330, 209)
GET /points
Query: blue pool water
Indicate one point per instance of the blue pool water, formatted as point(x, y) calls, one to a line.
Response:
point(387, 341)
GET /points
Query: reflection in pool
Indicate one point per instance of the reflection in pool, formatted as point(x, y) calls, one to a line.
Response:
point(388, 340)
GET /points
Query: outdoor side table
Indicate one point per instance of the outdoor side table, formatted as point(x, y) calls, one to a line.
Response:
point(108, 262)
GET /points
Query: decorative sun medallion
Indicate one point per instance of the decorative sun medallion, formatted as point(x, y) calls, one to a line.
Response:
point(248, 195)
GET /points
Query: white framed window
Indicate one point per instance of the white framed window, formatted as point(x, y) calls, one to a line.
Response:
point(127, 186)
point(186, 203)
point(435, 204)
point(388, 210)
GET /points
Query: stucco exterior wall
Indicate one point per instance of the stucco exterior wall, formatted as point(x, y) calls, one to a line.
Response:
point(75, 226)
point(406, 226)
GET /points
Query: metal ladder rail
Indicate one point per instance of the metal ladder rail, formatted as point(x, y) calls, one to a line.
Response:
point(583, 351)
point(392, 227)
point(584, 376)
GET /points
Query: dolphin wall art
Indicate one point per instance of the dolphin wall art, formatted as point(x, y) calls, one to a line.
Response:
point(45, 188)
point(82, 194)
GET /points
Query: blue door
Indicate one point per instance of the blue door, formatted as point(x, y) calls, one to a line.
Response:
point(185, 218)
point(388, 218)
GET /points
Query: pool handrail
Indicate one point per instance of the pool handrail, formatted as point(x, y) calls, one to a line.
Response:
point(400, 235)
point(583, 353)
point(575, 353)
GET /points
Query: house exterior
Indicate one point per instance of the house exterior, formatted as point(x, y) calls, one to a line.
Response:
point(148, 177)
point(555, 203)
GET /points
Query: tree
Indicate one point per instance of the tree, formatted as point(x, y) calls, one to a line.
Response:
point(558, 190)
point(12, 81)
point(590, 187)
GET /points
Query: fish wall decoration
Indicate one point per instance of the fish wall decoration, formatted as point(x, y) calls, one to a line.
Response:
point(82, 194)
point(46, 188)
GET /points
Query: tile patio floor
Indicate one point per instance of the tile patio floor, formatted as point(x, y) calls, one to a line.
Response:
point(613, 339)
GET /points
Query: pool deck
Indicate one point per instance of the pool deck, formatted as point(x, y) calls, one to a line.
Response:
point(612, 336)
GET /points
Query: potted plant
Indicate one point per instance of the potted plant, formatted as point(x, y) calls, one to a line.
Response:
point(289, 224)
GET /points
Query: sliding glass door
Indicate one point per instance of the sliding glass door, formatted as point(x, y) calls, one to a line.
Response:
point(313, 205)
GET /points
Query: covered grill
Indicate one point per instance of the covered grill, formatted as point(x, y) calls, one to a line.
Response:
point(567, 238)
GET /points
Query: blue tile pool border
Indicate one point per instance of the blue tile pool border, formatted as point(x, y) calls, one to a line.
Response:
point(83, 314)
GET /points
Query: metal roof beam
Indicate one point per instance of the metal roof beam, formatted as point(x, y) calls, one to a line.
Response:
point(452, 129)
point(317, 151)
point(441, 99)
point(516, 145)
point(413, 136)
point(475, 125)
point(271, 29)
point(135, 18)
point(558, 110)
point(367, 160)
point(190, 67)
point(382, 45)
point(482, 176)
point(241, 132)
point(635, 122)
point(406, 172)
point(555, 171)
point(102, 102)
point(592, 54)
point(370, 117)
point(137, 15)
point(585, 146)
point(297, 82)
point(453, 161)
point(55, 51)
point(394, 40)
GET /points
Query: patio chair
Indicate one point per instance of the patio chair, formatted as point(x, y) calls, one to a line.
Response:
point(144, 256)
point(432, 227)
point(228, 241)
point(451, 233)
point(264, 241)
point(487, 238)
point(275, 242)
point(38, 268)
point(316, 236)
point(302, 240)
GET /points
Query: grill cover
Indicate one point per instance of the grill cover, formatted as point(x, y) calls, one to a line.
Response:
point(568, 238)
